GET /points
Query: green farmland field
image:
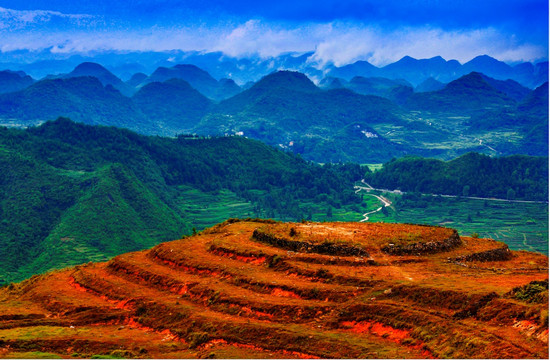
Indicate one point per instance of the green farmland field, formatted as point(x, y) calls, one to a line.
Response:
point(523, 226)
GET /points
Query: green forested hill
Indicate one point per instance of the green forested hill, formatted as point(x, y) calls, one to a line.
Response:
point(72, 193)
point(102, 74)
point(174, 104)
point(198, 79)
point(13, 81)
point(116, 213)
point(83, 99)
point(528, 118)
point(470, 93)
point(288, 110)
point(515, 177)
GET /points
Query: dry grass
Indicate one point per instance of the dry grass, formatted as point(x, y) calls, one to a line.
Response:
point(223, 294)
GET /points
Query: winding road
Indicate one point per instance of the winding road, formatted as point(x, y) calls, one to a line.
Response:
point(368, 187)
point(385, 202)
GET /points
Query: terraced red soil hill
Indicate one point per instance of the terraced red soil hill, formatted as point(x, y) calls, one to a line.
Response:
point(259, 289)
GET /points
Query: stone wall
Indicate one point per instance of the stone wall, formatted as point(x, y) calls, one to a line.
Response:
point(302, 246)
point(421, 248)
point(500, 254)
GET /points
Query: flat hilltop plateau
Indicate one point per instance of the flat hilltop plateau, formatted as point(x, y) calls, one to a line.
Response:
point(266, 289)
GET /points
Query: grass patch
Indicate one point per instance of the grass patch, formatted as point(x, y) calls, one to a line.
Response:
point(523, 226)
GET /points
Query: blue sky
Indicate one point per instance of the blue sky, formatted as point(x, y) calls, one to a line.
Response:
point(339, 31)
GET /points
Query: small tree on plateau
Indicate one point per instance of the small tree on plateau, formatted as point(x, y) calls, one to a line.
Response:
point(466, 190)
point(510, 194)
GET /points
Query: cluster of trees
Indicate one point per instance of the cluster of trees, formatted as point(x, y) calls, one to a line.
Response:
point(512, 177)
point(208, 164)
point(107, 190)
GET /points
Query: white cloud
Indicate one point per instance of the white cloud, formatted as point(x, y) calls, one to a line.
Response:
point(266, 40)
point(339, 43)
point(11, 19)
point(346, 44)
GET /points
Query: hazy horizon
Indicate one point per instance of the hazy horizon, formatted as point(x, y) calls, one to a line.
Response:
point(337, 32)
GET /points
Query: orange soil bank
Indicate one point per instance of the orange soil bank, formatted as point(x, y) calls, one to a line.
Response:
point(263, 289)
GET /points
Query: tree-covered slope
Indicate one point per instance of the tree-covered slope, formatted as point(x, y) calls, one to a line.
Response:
point(199, 79)
point(83, 99)
point(174, 104)
point(53, 217)
point(287, 109)
point(469, 93)
point(33, 196)
point(116, 213)
point(528, 118)
point(74, 193)
point(511, 177)
point(102, 74)
point(11, 81)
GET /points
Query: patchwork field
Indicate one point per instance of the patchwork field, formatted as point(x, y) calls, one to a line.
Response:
point(521, 225)
point(264, 289)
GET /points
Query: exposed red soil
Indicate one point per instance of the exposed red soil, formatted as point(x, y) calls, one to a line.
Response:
point(283, 293)
point(286, 353)
point(191, 269)
point(168, 335)
point(220, 293)
point(119, 304)
point(377, 329)
point(254, 260)
point(386, 332)
point(249, 311)
point(77, 286)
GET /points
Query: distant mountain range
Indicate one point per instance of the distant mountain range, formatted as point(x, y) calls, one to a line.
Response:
point(363, 119)
point(286, 109)
point(417, 71)
point(198, 79)
point(244, 70)
point(174, 104)
point(103, 75)
point(83, 99)
point(469, 93)
point(13, 81)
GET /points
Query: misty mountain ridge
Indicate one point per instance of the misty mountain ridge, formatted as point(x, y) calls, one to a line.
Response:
point(418, 70)
point(284, 109)
point(252, 68)
point(102, 74)
point(468, 93)
point(174, 103)
point(198, 79)
point(11, 81)
point(83, 99)
point(430, 84)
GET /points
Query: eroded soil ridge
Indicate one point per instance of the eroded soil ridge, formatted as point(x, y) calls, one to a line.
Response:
point(263, 289)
